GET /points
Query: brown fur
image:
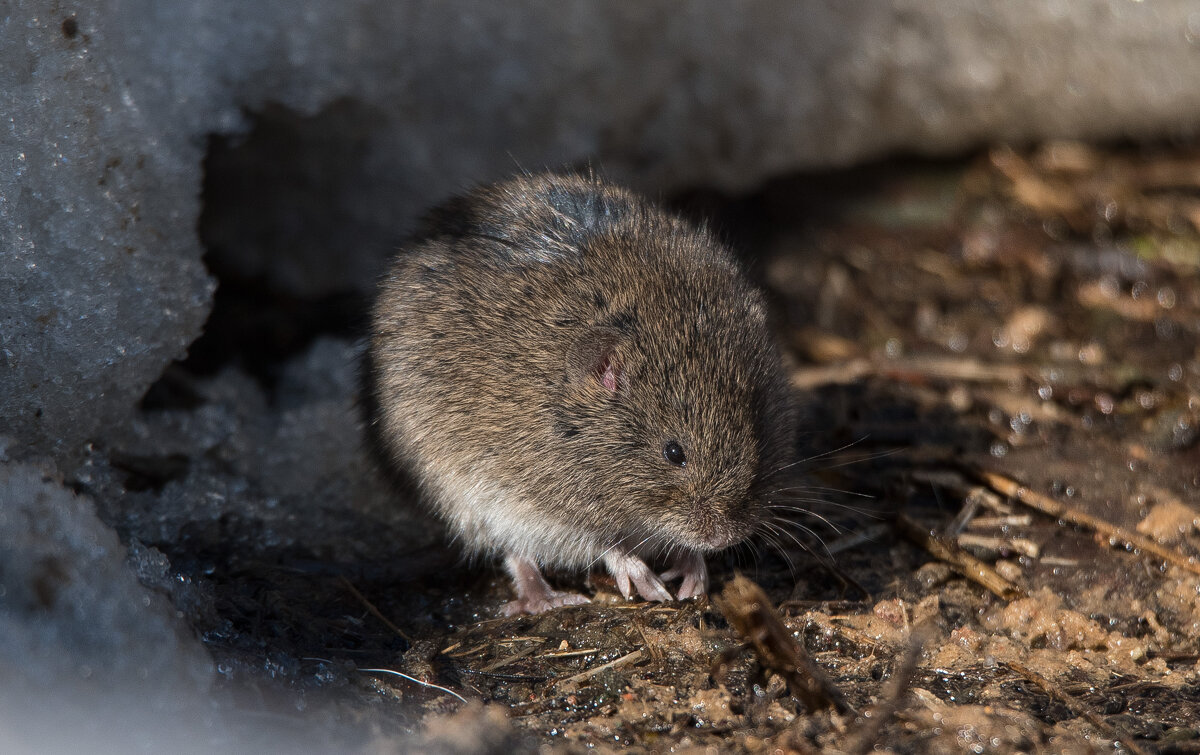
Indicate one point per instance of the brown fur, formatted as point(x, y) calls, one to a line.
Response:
point(491, 339)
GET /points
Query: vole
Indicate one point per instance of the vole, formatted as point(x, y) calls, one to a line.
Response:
point(572, 375)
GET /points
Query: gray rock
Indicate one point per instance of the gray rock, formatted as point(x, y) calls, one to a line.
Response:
point(79, 634)
point(393, 109)
point(381, 108)
point(296, 466)
point(101, 282)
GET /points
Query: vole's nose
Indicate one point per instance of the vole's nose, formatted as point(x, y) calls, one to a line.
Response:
point(723, 539)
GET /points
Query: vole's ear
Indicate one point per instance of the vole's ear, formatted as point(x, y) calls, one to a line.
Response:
point(609, 371)
point(596, 356)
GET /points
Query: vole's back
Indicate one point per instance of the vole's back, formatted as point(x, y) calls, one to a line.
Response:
point(563, 366)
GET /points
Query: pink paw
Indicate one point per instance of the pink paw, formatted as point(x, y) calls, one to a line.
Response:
point(689, 565)
point(539, 603)
point(631, 572)
point(534, 594)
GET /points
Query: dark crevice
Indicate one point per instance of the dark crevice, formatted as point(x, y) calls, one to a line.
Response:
point(293, 259)
point(258, 330)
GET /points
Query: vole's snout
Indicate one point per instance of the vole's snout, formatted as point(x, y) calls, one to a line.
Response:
point(723, 539)
point(715, 527)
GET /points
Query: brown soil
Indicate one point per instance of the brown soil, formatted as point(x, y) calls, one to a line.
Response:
point(958, 330)
point(1032, 315)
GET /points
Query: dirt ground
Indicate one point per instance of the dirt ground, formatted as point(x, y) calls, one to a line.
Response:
point(999, 360)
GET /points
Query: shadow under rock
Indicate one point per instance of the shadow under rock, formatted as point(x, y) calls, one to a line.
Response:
point(301, 601)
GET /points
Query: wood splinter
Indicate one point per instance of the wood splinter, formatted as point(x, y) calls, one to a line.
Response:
point(755, 620)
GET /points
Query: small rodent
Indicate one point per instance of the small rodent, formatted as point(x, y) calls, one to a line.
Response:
point(572, 375)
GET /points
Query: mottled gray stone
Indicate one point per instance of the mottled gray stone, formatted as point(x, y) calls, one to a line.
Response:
point(106, 108)
point(79, 634)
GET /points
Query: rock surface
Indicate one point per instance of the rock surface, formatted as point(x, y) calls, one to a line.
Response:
point(390, 106)
point(79, 633)
point(231, 497)
point(101, 282)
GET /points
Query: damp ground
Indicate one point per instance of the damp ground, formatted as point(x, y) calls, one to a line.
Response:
point(999, 360)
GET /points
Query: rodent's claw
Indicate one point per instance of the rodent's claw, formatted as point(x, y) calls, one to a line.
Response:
point(629, 571)
point(689, 565)
point(534, 594)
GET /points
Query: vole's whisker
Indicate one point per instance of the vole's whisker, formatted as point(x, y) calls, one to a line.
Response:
point(749, 548)
point(642, 542)
point(795, 500)
point(820, 489)
point(820, 455)
point(773, 541)
point(671, 550)
point(838, 529)
point(768, 536)
point(609, 549)
point(808, 530)
point(860, 459)
point(776, 528)
point(824, 503)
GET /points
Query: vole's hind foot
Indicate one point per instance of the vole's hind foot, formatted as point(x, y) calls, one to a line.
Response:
point(631, 572)
point(534, 594)
point(689, 565)
point(540, 603)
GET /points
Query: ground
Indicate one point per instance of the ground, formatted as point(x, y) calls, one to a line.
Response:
point(1023, 318)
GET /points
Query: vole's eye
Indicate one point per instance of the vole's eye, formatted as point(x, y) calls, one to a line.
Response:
point(673, 452)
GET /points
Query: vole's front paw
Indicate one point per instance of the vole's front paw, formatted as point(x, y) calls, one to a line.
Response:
point(689, 565)
point(542, 602)
point(630, 571)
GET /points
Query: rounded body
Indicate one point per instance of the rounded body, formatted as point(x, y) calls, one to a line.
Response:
point(566, 370)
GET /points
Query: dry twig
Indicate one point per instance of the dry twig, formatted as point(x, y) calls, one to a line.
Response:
point(747, 608)
point(1074, 706)
point(569, 653)
point(655, 651)
point(969, 566)
point(892, 695)
point(371, 607)
point(1070, 514)
point(828, 624)
point(918, 369)
point(496, 665)
point(624, 660)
